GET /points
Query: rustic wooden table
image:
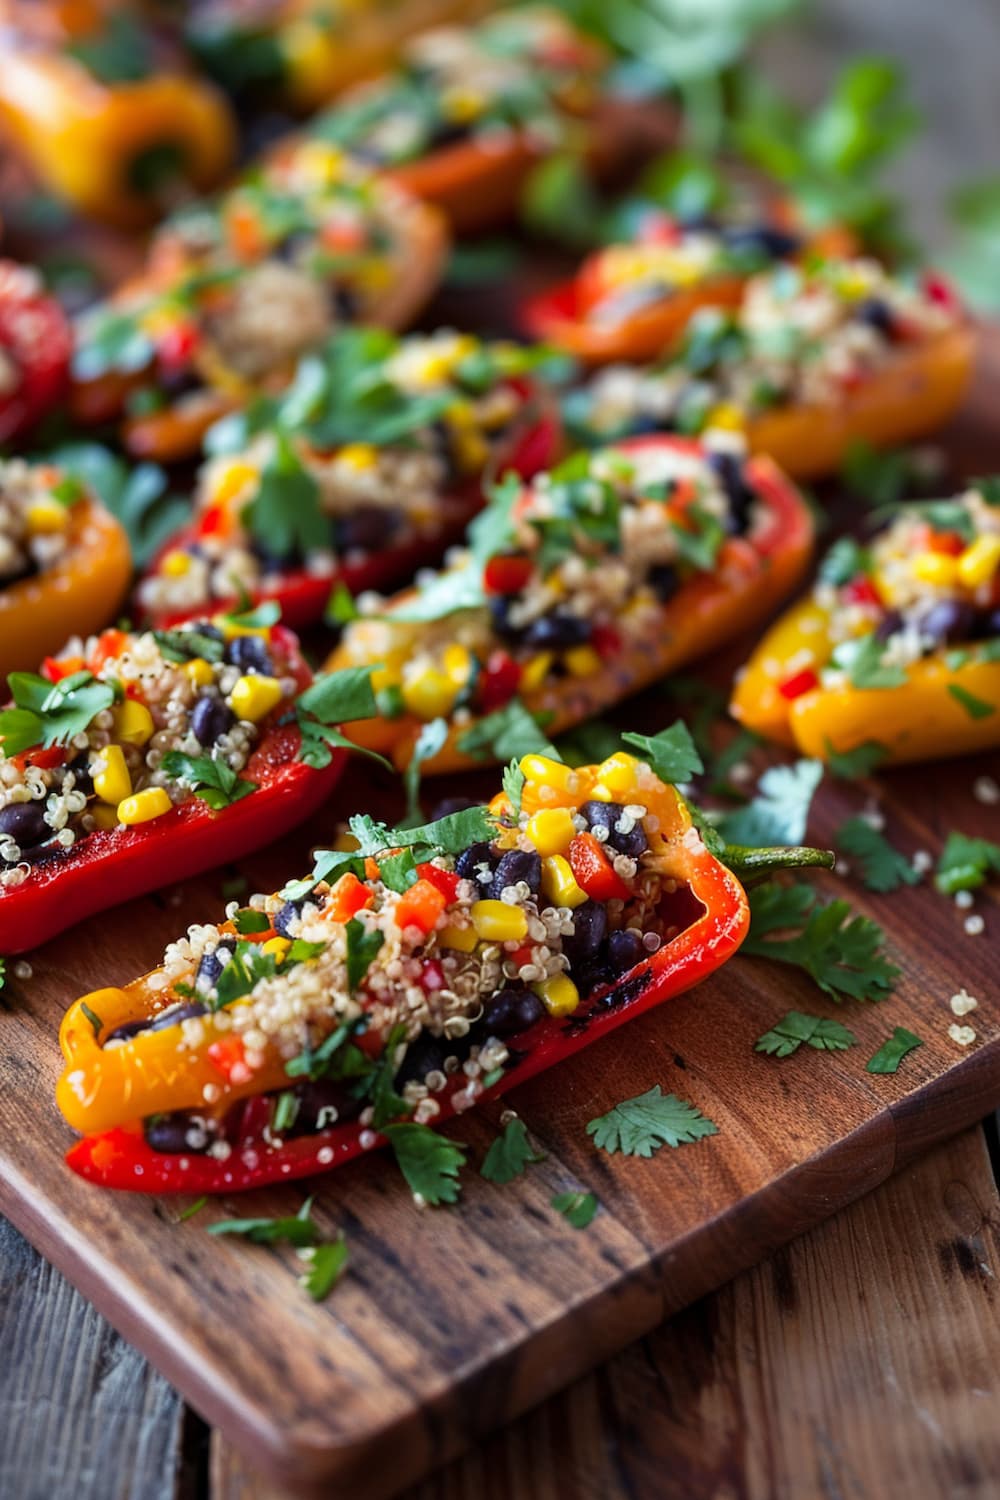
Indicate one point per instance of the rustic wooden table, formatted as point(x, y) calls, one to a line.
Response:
point(862, 1361)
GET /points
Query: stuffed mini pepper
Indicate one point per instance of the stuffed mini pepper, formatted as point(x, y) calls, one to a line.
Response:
point(65, 564)
point(898, 646)
point(810, 362)
point(36, 345)
point(399, 983)
point(133, 760)
point(367, 467)
point(600, 577)
point(236, 290)
point(633, 301)
point(103, 108)
point(470, 110)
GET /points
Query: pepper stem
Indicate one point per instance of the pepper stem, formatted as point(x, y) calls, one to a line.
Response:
point(745, 861)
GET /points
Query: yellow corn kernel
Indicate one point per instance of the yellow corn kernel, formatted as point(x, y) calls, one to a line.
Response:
point(358, 456)
point(979, 561)
point(232, 479)
point(935, 568)
point(600, 793)
point(457, 663)
point(144, 806)
point(463, 939)
point(461, 105)
point(430, 695)
point(176, 563)
point(112, 782)
point(536, 672)
point(46, 517)
point(279, 946)
point(253, 697)
point(549, 772)
point(132, 723)
point(617, 773)
point(727, 418)
point(558, 994)
point(471, 450)
point(497, 922)
point(231, 628)
point(559, 883)
point(551, 830)
point(582, 661)
point(198, 671)
point(319, 160)
point(103, 816)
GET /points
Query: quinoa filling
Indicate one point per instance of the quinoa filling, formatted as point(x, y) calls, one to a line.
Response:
point(800, 336)
point(558, 579)
point(35, 511)
point(112, 711)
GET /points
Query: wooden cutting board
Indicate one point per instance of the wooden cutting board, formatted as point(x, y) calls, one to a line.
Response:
point(450, 1322)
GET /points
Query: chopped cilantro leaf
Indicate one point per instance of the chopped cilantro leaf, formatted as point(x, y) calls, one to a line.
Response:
point(48, 713)
point(334, 698)
point(788, 1035)
point(340, 607)
point(976, 708)
point(699, 545)
point(513, 784)
point(577, 1209)
point(865, 667)
point(892, 1051)
point(852, 765)
point(672, 753)
point(779, 812)
point(192, 1209)
point(841, 952)
point(845, 560)
point(213, 781)
point(640, 1126)
point(429, 1162)
point(508, 733)
point(966, 864)
point(286, 513)
point(247, 920)
point(298, 1230)
point(509, 1154)
point(327, 1263)
point(429, 741)
point(883, 868)
point(362, 947)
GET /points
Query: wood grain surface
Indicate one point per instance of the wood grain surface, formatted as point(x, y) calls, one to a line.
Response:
point(451, 1323)
point(860, 1361)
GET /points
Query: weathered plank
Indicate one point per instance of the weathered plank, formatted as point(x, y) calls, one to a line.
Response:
point(81, 1412)
point(859, 1361)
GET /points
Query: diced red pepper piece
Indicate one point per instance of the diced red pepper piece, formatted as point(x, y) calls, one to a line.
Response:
point(55, 668)
point(349, 896)
point(939, 289)
point(432, 976)
point(802, 682)
point(507, 573)
point(593, 870)
point(45, 760)
point(176, 345)
point(861, 590)
point(606, 641)
point(499, 681)
point(420, 906)
point(228, 1057)
point(446, 881)
point(110, 645)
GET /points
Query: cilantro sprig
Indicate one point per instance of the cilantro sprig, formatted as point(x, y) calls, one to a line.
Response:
point(510, 1154)
point(797, 1028)
point(883, 867)
point(966, 863)
point(47, 713)
point(332, 699)
point(429, 1162)
point(211, 779)
point(840, 950)
point(640, 1126)
point(892, 1051)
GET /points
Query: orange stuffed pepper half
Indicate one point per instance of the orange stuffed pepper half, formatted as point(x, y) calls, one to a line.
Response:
point(237, 289)
point(898, 647)
point(597, 579)
point(367, 467)
point(469, 111)
point(812, 360)
point(399, 984)
point(633, 301)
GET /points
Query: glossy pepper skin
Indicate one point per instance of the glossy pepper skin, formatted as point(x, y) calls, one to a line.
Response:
point(751, 578)
point(921, 719)
point(111, 148)
point(560, 315)
point(77, 595)
point(303, 596)
point(111, 866)
point(36, 343)
point(106, 1092)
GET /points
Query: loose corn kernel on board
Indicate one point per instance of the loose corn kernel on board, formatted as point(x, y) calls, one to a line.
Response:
point(449, 1322)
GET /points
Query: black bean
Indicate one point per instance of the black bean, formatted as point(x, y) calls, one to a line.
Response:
point(511, 1010)
point(990, 624)
point(762, 239)
point(625, 950)
point(368, 528)
point(948, 622)
point(449, 805)
point(517, 865)
point(170, 1133)
point(476, 854)
point(607, 815)
point(82, 779)
point(664, 580)
point(425, 1054)
point(890, 622)
point(290, 912)
point(211, 966)
point(740, 495)
point(314, 1098)
point(877, 314)
point(590, 975)
point(250, 654)
point(645, 422)
point(590, 924)
point(557, 630)
point(25, 823)
point(210, 719)
point(171, 1017)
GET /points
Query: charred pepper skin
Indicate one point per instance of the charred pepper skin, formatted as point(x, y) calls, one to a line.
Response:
point(99, 1089)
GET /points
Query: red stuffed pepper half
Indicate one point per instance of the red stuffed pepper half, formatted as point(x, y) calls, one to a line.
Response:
point(399, 984)
point(134, 760)
point(367, 467)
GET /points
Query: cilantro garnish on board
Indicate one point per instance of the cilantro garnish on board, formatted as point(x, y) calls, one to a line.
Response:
point(327, 1263)
point(578, 1209)
point(892, 1051)
point(839, 949)
point(797, 1029)
point(966, 864)
point(640, 1126)
point(429, 1162)
point(883, 868)
point(779, 812)
point(510, 1154)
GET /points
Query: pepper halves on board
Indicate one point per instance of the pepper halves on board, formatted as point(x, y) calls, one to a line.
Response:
point(898, 646)
point(134, 760)
point(597, 579)
point(366, 468)
point(404, 981)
